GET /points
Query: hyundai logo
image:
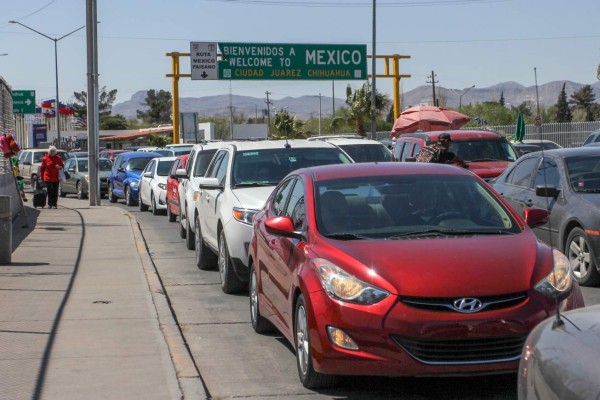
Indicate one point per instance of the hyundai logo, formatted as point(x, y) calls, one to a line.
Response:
point(467, 305)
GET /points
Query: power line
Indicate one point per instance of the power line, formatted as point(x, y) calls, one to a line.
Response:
point(347, 4)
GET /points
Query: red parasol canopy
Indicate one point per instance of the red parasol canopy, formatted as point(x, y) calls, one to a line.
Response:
point(428, 118)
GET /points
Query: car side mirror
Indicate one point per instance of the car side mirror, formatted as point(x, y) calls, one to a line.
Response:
point(148, 174)
point(209, 183)
point(547, 191)
point(535, 217)
point(180, 173)
point(282, 226)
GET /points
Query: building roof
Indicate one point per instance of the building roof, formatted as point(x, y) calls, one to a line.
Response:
point(140, 133)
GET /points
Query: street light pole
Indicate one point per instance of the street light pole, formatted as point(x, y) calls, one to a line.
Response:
point(55, 40)
point(319, 96)
point(461, 96)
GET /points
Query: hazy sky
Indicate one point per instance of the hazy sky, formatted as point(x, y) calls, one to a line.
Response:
point(468, 42)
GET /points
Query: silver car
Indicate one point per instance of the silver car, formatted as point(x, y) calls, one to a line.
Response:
point(78, 177)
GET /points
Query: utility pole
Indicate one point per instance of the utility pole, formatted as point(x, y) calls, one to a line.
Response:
point(433, 82)
point(374, 75)
point(319, 96)
point(333, 101)
point(268, 114)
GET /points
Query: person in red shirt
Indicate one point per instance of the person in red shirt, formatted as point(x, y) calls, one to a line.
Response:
point(49, 170)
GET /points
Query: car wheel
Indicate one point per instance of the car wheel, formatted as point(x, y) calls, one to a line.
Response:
point(80, 194)
point(308, 376)
point(190, 238)
point(230, 283)
point(181, 230)
point(581, 258)
point(61, 193)
point(172, 217)
point(205, 258)
point(259, 323)
point(128, 199)
point(143, 207)
point(111, 196)
point(153, 202)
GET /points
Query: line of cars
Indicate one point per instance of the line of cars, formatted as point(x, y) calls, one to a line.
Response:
point(398, 269)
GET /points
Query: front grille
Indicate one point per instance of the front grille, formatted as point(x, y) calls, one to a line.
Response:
point(462, 351)
point(443, 304)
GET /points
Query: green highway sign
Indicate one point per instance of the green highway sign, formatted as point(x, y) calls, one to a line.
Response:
point(278, 61)
point(23, 101)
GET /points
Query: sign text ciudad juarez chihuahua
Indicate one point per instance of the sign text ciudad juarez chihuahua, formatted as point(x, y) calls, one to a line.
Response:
point(278, 61)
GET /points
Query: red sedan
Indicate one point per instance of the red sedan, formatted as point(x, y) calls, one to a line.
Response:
point(401, 269)
point(173, 188)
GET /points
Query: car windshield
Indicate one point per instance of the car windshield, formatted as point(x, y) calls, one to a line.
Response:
point(367, 152)
point(164, 167)
point(400, 206)
point(584, 173)
point(105, 165)
point(138, 164)
point(483, 150)
point(266, 167)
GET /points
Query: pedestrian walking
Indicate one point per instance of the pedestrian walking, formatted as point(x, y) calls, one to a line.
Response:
point(50, 169)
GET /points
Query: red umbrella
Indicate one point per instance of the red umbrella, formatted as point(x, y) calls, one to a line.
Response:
point(428, 118)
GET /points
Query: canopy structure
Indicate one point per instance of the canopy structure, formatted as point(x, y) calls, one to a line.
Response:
point(428, 118)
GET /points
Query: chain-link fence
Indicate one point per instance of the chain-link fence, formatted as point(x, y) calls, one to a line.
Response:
point(6, 107)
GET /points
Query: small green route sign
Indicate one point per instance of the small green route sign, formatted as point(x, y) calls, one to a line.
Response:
point(278, 61)
point(23, 101)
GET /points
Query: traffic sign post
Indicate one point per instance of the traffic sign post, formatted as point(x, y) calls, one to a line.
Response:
point(277, 61)
point(23, 101)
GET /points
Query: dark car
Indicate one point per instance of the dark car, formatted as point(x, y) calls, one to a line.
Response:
point(488, 153)
point(525, 148)
point(124, 178)
point(560, 358)
point(565, 182)
point(401, 269)
point(543, 143)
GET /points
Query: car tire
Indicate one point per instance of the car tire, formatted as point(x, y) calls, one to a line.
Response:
point(80, 194)
point(143, 207)
point(61, 193)
point(172, 217)
point(181, 230)
point(310, 378)
point(230, 283)
point(582, 258)
point(128, 199)
point(259, 323)
point(153, 203)
point(190, 238)
point(111, 196)
point(205, 258)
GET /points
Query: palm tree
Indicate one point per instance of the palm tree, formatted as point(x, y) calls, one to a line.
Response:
point(287, 126)
point(359, 102)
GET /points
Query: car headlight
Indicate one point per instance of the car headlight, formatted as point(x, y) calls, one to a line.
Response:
point(162, 186)
point(560, 280)
point(342, 286)
point(244, 215)
point(134, 184)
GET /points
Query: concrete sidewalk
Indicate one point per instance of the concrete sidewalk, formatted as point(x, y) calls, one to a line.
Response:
point(83, 314)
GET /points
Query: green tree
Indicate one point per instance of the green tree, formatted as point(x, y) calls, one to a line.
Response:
point(359, 103)
point(491, 111)
point(105, 102)
point(583, 100)
point(159, 104)
point(113, 122)
point(287, 126)
point(563, 112)
point(502, 101)
point(158, 140)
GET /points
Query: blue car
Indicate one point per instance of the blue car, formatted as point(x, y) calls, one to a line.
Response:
point(124, 177)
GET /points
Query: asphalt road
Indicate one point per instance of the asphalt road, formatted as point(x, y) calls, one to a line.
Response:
point(234, 361)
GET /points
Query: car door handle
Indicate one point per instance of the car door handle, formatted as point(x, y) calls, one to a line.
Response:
point(207, 198)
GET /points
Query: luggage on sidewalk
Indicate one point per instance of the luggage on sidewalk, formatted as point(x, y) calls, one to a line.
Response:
point(40, 193)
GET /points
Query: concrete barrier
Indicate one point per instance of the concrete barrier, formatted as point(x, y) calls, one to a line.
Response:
point(5, 230)
point(8, 188)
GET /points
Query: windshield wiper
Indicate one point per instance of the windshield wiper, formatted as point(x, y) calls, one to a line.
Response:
point(253, 184)
point(444, 232)
point(346, 236)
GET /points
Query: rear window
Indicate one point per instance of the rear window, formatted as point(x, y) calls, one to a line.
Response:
point(164, 167)
point(138, 164)
point(203, 159)
point(483, 150)
point(367, 152)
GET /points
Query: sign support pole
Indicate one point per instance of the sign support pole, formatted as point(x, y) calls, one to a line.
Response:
point(175, 92)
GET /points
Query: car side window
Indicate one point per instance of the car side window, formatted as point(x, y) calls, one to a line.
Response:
point(547, 174)
point(188, 167)
point(37, 156)
point(211, 171)
point(27, 157)
point(406, 151)
point(523, 172)
point(67, 165)
point(222, 170)
point(280, 197)
point(175, 166)
point(295, 207)
point(150, 166)
point(398, 150)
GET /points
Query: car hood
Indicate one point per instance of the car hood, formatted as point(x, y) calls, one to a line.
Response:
point(133, 175)
point(488, 169)
point(446, 267)
point(253, 197)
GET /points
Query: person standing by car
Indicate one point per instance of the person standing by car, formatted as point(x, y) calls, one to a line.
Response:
point(51, 166)
point(440, 153)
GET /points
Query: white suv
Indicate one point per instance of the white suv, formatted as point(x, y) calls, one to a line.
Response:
point(195, 168)
point(239, 179)
point(360, 150)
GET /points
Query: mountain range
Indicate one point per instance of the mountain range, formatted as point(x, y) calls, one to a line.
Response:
point(308, 106)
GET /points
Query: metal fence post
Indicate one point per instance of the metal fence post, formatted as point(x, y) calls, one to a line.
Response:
point(5, 231)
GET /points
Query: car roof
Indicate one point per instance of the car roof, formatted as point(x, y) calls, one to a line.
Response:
point(140, 154)
point(335, 171)
point(454, 134)
point(327, 137)
point(209, 146)
point(279, 144)
point(573, 151)
point(343, 141)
